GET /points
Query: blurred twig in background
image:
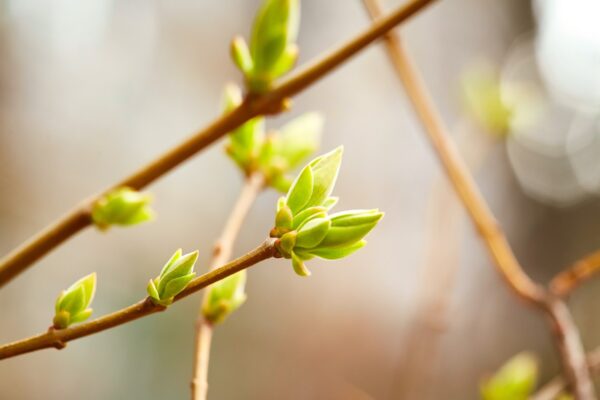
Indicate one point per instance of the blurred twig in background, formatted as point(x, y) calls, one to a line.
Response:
point(221, 253)
point(582, 270)
point(269, 103)
point(562, 325)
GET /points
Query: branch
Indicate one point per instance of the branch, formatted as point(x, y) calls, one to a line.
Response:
point(564, 329)
point(59, 338)
point(221, 253)
point(565, 282)
point(41, 244)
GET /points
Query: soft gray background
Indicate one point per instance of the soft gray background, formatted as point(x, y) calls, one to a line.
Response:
point(90, 90)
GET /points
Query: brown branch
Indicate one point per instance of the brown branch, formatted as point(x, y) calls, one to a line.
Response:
point(565, 332)
point(221, 253)
point(41, 244)
point(59, 338)
point(582, 270)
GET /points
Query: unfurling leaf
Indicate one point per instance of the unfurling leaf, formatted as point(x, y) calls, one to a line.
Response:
point(175, 275)
point(515, 380)
point(72, 305)
point(224, 297)
point(123, 206)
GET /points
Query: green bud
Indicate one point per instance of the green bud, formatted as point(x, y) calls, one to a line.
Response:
point(313, 232)
point(246, 141)
point(299, 138)
point(274, 31)
point(325, 171)
point(334, 253)
point(515, 380)
point(241, 55)
point(283, 218)
point(224, 297)
point(123, 206)
point(72, 305)
point(175, 275)
point(298, 265)
point(287, 243)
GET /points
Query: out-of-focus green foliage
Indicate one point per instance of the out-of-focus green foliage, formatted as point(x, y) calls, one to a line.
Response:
point(224, 297)
point(515, 380)
point(123, 206)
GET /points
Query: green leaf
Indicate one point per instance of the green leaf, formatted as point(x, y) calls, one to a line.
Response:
point(181, 267)
point(286, 61)
point(176, 285)
point(313, 232)
point(283, 218)
point(356, 217)
point(287, 243)
point(307, 214)
point(167, 267)
point(299, 138)
point(299, 266)
point(515, 380)
point(337, 252)
point(152, 291)
point(301, 190)
point(241, 55)
point(330, 202)
point(342, 236)
point(325, 171)
point(82, 316)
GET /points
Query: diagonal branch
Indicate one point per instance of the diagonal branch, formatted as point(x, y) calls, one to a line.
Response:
point(59, 338)
point(565, 332)
point(582, 270)
point(221, 253)
point(77, 219)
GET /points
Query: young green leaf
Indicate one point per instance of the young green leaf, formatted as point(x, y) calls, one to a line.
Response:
point(72, 305)
point(325, 171)
point(298, 265)
point(301, 190)
point(241, 55)
point(123, 206)
point(299, 138)
point(313, 232)
point(224, 297)
point(515, 380)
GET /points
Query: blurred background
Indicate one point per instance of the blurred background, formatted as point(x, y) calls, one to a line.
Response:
point(91, 90)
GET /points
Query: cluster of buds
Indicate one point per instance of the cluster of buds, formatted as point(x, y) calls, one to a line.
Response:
point(274, 154)
point(72, 305)
point(176, 274)
point(303, 224)
point(272, 50)
point(123, 206)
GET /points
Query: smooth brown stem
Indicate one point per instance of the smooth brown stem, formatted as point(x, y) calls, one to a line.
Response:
point(18, 260)
point(59, 338)
point(582, 270)
point(221, 253)
point(565, 332)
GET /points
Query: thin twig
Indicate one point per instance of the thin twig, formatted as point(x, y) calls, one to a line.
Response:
point(565, 332)
point(59, 338)
point(582, 270)
point(221, 253)
point(42, 243)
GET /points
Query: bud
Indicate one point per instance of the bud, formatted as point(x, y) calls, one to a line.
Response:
point(72, 305)
point(515, 380)
point(246, 141)
point(313, 232)
point(299, 138)
point(174, 277)
point(307, 215)
point(241, 55)
point(123, 206)
point(272, 50)
point(283, 218)
point(224, 297)
point(349, 227)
